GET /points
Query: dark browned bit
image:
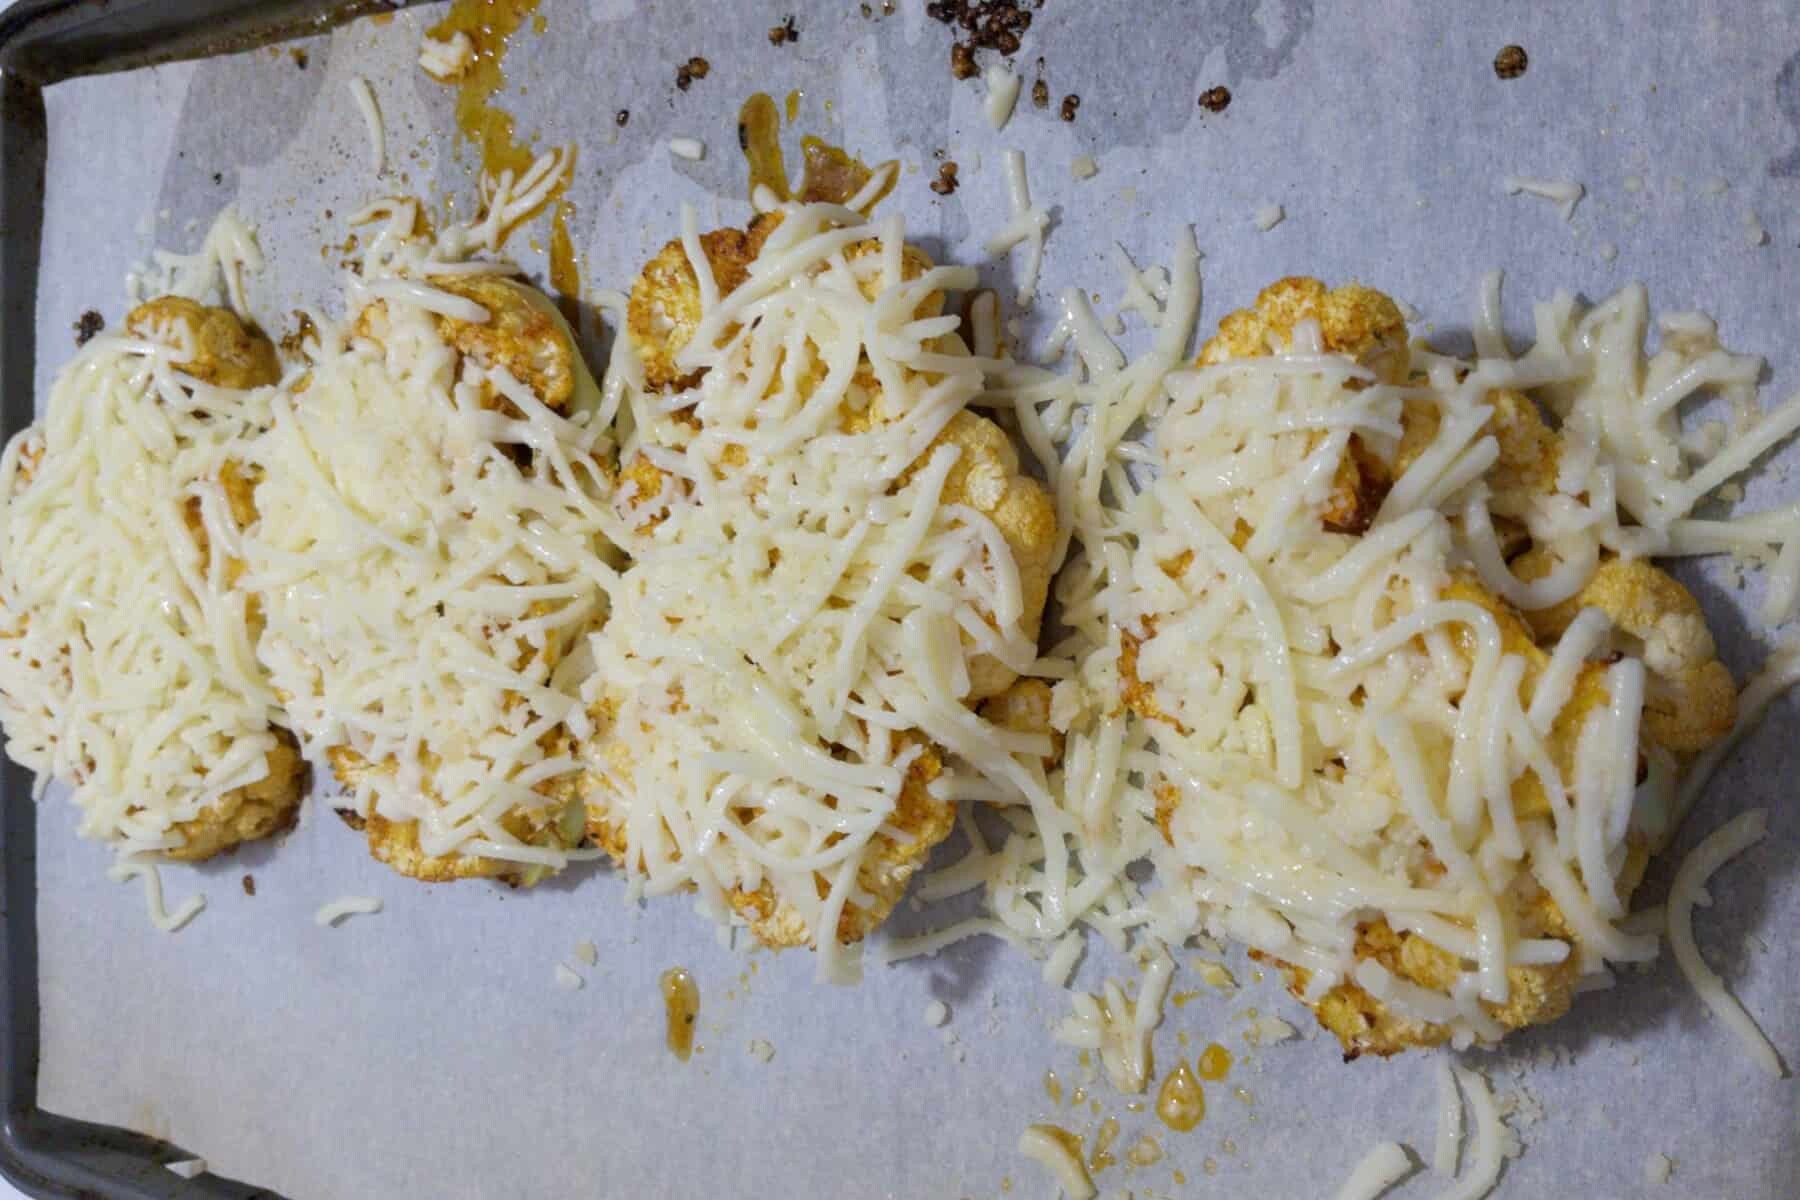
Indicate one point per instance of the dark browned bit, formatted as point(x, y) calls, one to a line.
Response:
point(782, 34)
point(1511, 62)
point(945, 183)
point(1040, 94)
point(87, 325)
point(962, 61)
point(1070, 103)
point(249, 882)
point(621, 117)
point(1216, 99)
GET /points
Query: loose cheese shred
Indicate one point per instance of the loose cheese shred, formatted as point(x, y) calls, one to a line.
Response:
point(1050, 1147)
point(162, 918)
point(1028, 223)
point(1002, 94)
point(1448, 1143)
point(1565, 193)
point(330, 915)
point(364, 96)
point(1490, 1139)
point(1689, 889)
point(1381, 1168)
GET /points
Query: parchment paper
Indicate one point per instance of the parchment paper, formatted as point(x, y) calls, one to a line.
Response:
point(426, 1050)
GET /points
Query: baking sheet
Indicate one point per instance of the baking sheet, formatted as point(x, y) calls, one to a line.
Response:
point(427, 1050)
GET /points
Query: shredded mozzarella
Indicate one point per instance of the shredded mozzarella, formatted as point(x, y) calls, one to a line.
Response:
point(364, 96)
point(1565, 193)
point(1381, 1168)
point(126, 662)
point(814, 604)
point(1002, 94)
point(1050, 1147)
point(332, 914)
point(692, 149)
point(162, 918)
point(1689, 889)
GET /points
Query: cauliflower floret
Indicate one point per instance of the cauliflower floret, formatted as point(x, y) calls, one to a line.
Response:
point(225, 351)
point(1353, 320)
point(664, 309)
point(1690, 700)
point(525, 334)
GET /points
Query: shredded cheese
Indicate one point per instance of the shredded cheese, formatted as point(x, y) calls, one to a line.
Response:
point(1050, 1147)
point(332, 914)
point(126, 661)
point(364, 95)
point(1565, 193)
point(1381, 1168)
point(1002, 94)
point(692, 149)
point(1689, 889)
point(814, 604)
point(162, 918)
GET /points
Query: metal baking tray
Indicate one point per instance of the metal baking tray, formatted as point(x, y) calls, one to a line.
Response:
point(43, 42)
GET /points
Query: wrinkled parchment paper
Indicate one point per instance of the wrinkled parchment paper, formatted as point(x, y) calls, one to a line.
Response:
point(427, 1050)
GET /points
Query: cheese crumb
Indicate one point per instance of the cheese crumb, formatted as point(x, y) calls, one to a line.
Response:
point(761, 1050)
point(187, 1168)
point(936, 1013)
point(445, 59)
point(1216, 975)
point(1564, 192)
point(586, 953)
point(1608, 251)
point(1269, 216)
point(1658, 1168)
point(1083, 166)
point(566, 978)
point(692, 149)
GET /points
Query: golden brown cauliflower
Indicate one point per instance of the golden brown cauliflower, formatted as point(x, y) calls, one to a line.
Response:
point(226, 352)
point(1690, 701)
point(664, 308)
point(524, 333)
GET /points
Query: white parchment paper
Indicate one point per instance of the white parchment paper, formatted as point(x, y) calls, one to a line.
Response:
point(427, 1051)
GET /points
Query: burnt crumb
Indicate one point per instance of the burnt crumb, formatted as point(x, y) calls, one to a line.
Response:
point(1216, 99)
point(694, 68)
point(782, 34)
point(249, 882)
point(1040, 94)
point(986, 24)
point(87, 325)
point(945, 183)
point(867, 12)
point(300, 57)
point(1070, 103)
point(621, 117)
point(1511, 62)
point(218, 178)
